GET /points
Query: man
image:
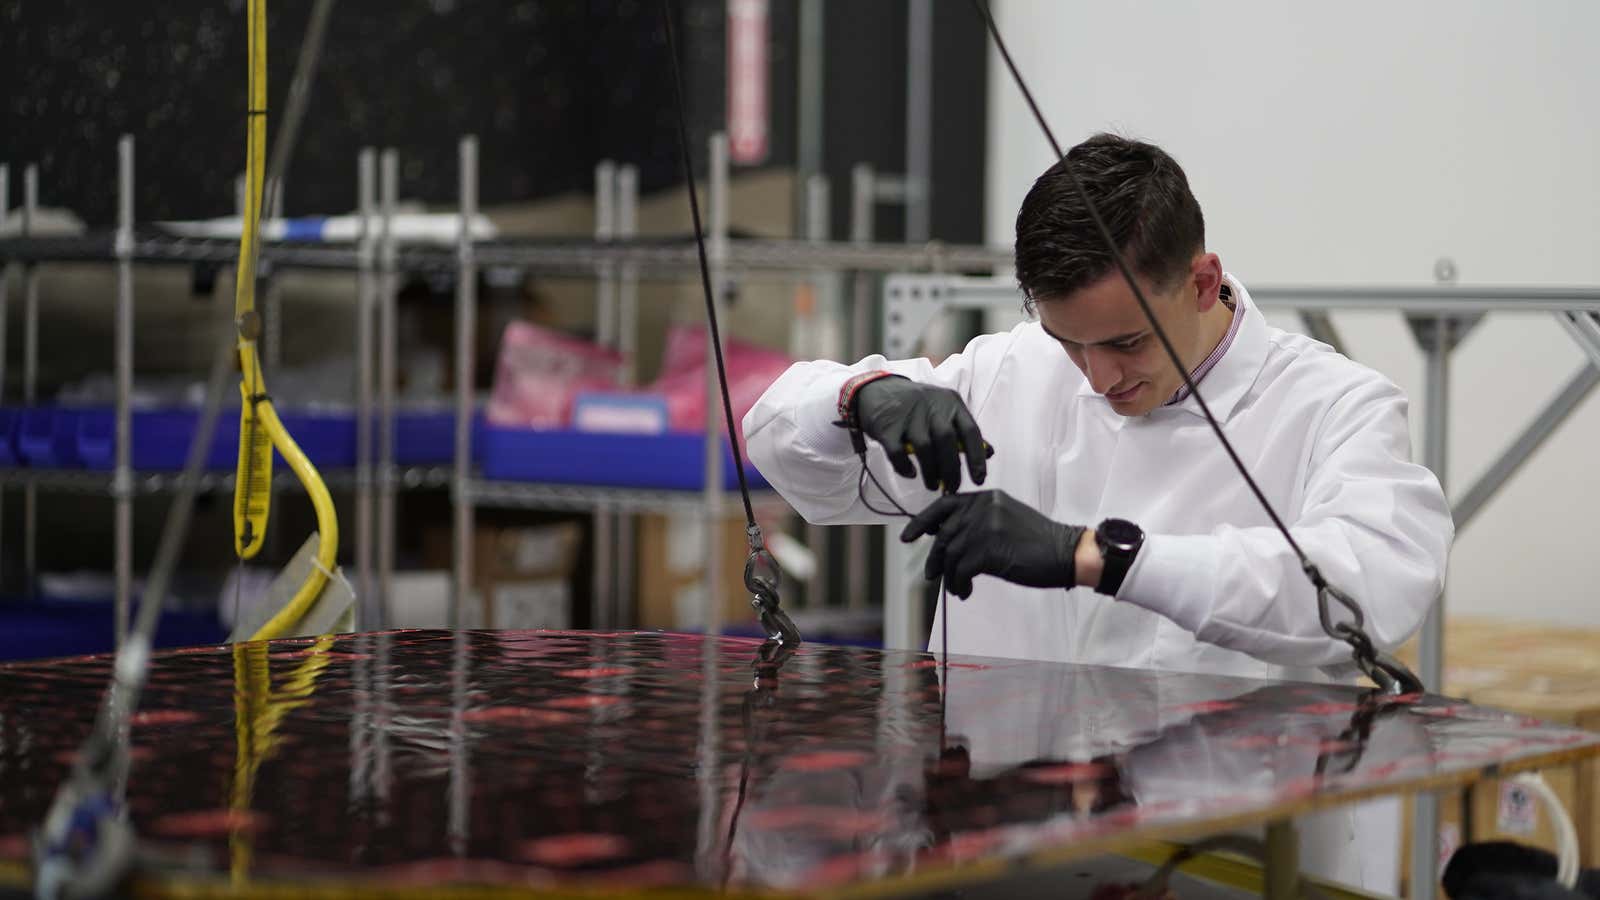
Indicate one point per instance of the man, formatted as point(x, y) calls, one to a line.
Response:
point(1111, 526)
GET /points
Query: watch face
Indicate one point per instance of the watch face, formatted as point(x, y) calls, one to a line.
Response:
point(1120, 533)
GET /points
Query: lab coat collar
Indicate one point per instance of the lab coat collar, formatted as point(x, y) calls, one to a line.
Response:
point(1230, 379)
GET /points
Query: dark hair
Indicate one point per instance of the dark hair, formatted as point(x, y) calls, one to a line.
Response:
point(1140, 192)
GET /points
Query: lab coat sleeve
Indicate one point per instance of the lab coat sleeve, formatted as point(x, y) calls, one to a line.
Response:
point(1377, 525)
point(795, 445)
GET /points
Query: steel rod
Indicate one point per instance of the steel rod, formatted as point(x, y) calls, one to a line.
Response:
point(1319, 325)
point(1584, 329)
point(5, 312)
point(1570, 397)
point(811, 88)
point(822, 322)
point(372, 618)
point(603, 564)
point(863, 197)
point(388, 287)
point(605, 229)
point(466, 340)
point(1282, 866)
point(30, 372)
point(919, 120)
point(623, 608)
point(271, 305)
point(717, 257)
point(659, 259)
point(977, 293)
point(628, 282)
point(5, 272)
point(536, 495)
point(1436, 437)
point(122, 483)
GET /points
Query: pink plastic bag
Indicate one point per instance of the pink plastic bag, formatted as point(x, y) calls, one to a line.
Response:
point(751, 370)
point(540, 371)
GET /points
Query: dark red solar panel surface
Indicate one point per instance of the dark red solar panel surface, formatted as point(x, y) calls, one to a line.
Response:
point(645, 759)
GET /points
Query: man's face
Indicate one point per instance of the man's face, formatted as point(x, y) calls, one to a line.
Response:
point(1108, 338)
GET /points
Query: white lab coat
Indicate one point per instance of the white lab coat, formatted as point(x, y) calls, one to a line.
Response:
point(1215, 588)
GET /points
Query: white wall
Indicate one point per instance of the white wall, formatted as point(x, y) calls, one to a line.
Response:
point(1357, 143)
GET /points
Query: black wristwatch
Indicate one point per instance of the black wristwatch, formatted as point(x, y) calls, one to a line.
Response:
point(1119, 541)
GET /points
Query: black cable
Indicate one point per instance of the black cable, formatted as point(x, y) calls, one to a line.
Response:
point(1133, 283)
point(305, 73)
point(1401, 679)
point(761, 573)
point(861, 491)
point(944, 594)
point(705, 267)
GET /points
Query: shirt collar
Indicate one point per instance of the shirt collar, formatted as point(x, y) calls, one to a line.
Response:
point(1235, 319)
point(1231, 375)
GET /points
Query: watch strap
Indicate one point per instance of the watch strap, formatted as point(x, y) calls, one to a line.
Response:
point(1115, 561)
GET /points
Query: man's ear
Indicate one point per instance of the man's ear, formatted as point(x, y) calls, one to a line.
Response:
point(1206, 276)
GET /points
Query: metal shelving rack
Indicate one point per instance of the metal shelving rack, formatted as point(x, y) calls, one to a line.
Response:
point(617, 259)
point(79, 481)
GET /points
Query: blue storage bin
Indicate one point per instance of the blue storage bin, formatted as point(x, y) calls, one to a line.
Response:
point(424, 437)
point(10, 423)
point(48, 438)
point(53, 627)
point(160, 439)
point(329, 439)
point(672, 461)
point(97, 438)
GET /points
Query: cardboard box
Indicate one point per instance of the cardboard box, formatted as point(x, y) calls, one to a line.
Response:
point(1540, 671)
point(421, 599)
point(1485, 645)
point(673, 562)
point(1568, 700)
point(534, 603)
point(522, 574)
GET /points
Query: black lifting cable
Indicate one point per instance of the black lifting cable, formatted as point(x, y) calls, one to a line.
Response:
point(1388, 673)
point(761, 574)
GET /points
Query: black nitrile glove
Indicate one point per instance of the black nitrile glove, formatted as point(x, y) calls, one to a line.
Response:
point(993, 533)
point(930, 422)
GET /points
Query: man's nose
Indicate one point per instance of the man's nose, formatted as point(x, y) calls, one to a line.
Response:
point(1103, 370)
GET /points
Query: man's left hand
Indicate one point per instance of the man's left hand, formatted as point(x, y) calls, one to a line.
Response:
point(993, 533)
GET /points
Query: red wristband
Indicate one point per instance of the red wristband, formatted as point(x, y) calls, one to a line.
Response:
point(847, 394)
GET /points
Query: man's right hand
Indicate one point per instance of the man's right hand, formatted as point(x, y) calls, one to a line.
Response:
point(930, 422)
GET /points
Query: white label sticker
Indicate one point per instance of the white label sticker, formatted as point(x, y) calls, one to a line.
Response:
point(1518, 814)
point(531, 604)
point(1449, 841)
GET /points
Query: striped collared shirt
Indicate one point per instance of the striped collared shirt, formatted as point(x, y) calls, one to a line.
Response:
point(1210, 362)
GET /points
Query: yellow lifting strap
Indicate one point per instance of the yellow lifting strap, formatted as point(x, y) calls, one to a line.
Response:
point(260, 430)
